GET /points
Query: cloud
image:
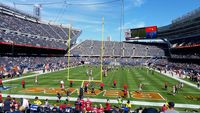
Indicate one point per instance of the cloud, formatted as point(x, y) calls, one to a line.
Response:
point(140, 24)
point(133, 24)
point(138, 3)
point(82, 19)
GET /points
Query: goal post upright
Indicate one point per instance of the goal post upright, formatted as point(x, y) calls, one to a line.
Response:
point(102, 47)
point(68, 58)
point(101, 57)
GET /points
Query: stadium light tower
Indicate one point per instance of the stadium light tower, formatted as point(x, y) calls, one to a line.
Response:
point(36, 10)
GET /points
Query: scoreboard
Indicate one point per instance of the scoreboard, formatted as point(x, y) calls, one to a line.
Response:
point(142, 33)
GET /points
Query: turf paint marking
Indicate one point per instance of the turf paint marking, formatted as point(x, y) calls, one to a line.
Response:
point(146, 95)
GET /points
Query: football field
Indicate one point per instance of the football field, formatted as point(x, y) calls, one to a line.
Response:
point(152, 91)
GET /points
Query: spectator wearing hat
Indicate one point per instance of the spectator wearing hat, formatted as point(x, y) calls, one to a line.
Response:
point(171, 108)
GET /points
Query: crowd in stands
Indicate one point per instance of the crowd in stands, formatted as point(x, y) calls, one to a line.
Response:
point(19, 29)
point(118, 49)
point(22, 105)
point(186, 56)
point(190, 71)
point(16, 66)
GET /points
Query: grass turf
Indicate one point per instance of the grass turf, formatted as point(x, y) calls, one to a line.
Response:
point(132, 76)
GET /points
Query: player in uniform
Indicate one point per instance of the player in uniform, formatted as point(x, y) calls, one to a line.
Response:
point(62, 84)
point(114, 83)
point(1, 83)
point(101, 86)
point(90, 76)
point(59, 96)
point(92, 89)
point(140, 87)
point(86, 87)
point(173, 89)
point(165, 85)
point(23, 83)
point(198, 84)
point(1, 98)
point(36, 79)
point(87, 72)
point(125, 86)
point(125, 93)
point(71, 83)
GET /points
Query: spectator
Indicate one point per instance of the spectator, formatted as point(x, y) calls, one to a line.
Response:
point(108, 106)
point(101, 109)
point(7, 104)
point(150, 110)
point(171, 108)
point(77, 106)
point(88, 105)
point(128, 105)
point(46, 103)
point(37, 101)
point(164, 108)
point(68, 109)
point(55, 109)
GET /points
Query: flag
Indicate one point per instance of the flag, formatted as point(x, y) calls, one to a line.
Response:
point(151, 29)
point(151, 32)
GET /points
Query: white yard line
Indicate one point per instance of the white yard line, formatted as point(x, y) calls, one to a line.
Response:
point(143, 103)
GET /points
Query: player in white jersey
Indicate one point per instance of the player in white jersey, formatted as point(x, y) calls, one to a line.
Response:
point(62, 84)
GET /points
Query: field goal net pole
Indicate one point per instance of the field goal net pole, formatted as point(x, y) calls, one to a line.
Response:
point(68, 58)
point(102, 48)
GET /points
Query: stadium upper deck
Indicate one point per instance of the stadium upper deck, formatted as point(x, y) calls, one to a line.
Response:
point(187, 26)
point(21, 29)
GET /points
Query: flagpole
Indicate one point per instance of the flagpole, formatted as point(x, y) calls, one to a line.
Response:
point(102, 45)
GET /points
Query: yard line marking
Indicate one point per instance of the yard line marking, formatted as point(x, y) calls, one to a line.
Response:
point(161, 96)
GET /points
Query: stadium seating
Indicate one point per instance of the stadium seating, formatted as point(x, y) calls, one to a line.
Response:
point(16, 66)
point(22, 30)
point(119, 49)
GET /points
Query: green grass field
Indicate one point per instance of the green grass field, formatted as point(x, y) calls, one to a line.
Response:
point(132, 76)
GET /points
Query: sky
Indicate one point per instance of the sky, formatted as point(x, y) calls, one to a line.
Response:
point(88, 18)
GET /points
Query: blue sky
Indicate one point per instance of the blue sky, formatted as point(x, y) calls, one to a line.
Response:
point(137, 13)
